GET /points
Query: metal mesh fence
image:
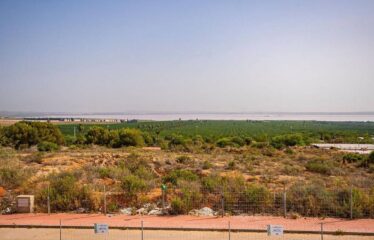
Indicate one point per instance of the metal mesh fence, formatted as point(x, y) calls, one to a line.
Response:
point(342, 203)
point(295, 201)
point(144, 232)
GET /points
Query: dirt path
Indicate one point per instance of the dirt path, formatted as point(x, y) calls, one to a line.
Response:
point(237, 222)
point(114, 234)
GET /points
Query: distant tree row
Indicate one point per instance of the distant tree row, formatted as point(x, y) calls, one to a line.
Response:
point(117, 138)
point(27, 134)
point(48, 137)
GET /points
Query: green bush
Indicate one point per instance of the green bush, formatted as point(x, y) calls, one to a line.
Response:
point(353, 157)
point(238, 141)
point(134, 162)
point(206, 165)
point(288, 140)
point(198, 140)
point(184, 159)
point(310, 199)
point(290, 170)
point(371, 168)
point(104, 172)
point(132, 185)
point(248, 140)
point(231, 165)
point(47, 147)
point(367, 160)
point(256, 198)
point(130, 137)
point(289, 151)
point(175, 176)
point(149, 140)
point(98, 135)
point(371, 158)
point(260, 145)
point(66, 194)
point(224, 142)
point(177, 206)
point(212, 183)
point(26, 134)
point(12, 176)
point(231, 186)
point(177, 141)
point(115, 138)
point(113, 172)
point(191, 196)
point(3, 140)
point(319, 166)
point(231, 142)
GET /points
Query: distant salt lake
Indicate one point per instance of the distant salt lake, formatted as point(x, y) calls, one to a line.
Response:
point(357, 148)
point(224, 116)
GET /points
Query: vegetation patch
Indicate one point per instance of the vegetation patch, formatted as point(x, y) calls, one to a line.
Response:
point(320, 166)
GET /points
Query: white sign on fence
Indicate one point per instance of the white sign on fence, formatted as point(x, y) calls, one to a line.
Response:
point(275, 230)
point(23, 202)
point(101, 228)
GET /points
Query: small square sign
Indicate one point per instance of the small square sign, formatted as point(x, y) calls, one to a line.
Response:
point(23, 202)
point(275, 230)
point(101, 228)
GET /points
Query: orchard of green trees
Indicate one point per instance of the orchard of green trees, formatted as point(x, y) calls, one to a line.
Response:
point(173, 135)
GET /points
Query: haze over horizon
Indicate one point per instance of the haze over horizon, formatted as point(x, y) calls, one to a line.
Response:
point(190, 56)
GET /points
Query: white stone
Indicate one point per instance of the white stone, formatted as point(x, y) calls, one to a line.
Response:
point(202, 212)
point(126, 211)
point(156, 211)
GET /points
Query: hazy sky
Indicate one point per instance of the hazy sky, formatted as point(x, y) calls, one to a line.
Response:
point(111, 56)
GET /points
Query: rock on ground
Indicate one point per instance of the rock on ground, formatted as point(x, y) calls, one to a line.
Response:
point(202, 212)
point(126, 211)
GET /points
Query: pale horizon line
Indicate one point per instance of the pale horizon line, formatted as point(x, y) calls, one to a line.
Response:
point(14, 113)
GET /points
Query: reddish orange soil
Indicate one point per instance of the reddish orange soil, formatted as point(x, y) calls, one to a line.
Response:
point(237, 222)
point(2, 192)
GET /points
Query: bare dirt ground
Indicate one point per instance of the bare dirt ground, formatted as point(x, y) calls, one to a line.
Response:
point(237, 222)
point(115, 234)
point(8, 122)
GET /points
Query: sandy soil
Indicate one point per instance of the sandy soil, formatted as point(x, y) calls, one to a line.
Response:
point(237, 222)
point(7, 122)
point(114, 234)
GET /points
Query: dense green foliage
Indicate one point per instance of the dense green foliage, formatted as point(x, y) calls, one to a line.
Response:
point(178, 175)
point(371, 158)
point(181, 135)
point(66, 193)
point(47, 146)
point(26, 134)
point(288, 140)
point(335, 132)
point(353, 158)
point(114, 138)
point(320, 166)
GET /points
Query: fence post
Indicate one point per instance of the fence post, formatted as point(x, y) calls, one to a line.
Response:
point(285, 202)
point(351, 203)
point(142, 231)
point(229, 230)
point(104, 200)
point(163, 200)
point(223, 204)
point(48, 202)
point(60, 230)
point(321, 230)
